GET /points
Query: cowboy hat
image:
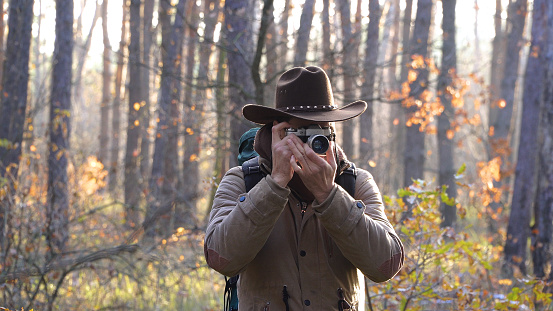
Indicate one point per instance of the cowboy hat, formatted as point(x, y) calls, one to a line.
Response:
point(304, 93)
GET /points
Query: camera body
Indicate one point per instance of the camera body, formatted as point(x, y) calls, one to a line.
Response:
point(317, 138)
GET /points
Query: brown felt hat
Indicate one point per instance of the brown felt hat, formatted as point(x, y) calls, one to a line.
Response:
point(304, 93)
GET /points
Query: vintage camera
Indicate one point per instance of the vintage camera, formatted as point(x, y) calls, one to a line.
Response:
point(317, 138)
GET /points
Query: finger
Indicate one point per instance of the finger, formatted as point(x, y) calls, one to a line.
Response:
point(297, 150)
point(276, 131)
point(313, 156)
point(294, 164)
point(331, 156)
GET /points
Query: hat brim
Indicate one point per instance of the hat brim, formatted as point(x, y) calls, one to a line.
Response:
point(263, 115)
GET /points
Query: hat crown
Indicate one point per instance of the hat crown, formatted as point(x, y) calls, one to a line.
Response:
point(304, 89)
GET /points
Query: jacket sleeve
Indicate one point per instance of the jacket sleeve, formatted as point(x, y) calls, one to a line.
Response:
point(361, 230)
point(240, 223)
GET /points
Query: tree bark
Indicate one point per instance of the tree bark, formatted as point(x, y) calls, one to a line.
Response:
point(366, 148)
point(394, 47)
point(116, 107)
point(328, 60)
point(238, 37)
point(261, 39)
point(221, 143)
point(414, 155)
point(272, 45)
point(397, 112)
point(518, 229)
point(60, 129)
point(163, 181)
point(106, 89)
point(501, 112)
point(132, 176)
point(349, 69)
point(497, 63)
point(193, 108)
point(445, 138)
point(16, 73)
point(13, 103)
point(284, 33)
point(544, 201)
point(82, 54)
point(2, 38)
point(302, 41)
point(146, 70)
point(516, 19)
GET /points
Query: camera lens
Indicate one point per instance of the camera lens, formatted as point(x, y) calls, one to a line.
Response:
point(318, 143)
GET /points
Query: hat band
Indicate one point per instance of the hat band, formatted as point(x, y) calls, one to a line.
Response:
point(309, 108)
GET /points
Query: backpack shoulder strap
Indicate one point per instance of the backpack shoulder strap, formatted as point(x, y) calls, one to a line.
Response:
point(252, 173)
point(347, 179)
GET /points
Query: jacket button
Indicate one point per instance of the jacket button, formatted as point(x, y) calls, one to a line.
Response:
point(360, 205)
point(242, 198)
point(302, 253)
point(307, 302)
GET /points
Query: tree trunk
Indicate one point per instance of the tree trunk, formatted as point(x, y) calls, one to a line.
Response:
point(518, 229)
point(239, 40)
point(448, 73)
point(284, 33)
point(302, 41)
point(60, 129)
point(221, 143)
point(163, 183)
point(328, 60)
point(501, 117)
point(497, 63)
point(545, 191)
point(2, 38)
point(116, 108)
point(146, 69)
point(261, 38)
point(366, 147)
point(477, 53)
point(406, 40)
point(106, 89)
point(414, 155)
point(272, 44)
point(516, 19)
point(132, 176)
point(15, 85)
point(193, 108)
point(397, 112)
point(394, 46)
point(349, 69)
point(82, 54)
point(13, 103)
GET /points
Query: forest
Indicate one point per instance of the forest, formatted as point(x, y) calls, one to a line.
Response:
point(118, 119)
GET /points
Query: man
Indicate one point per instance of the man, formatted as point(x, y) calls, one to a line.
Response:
point(297, 239)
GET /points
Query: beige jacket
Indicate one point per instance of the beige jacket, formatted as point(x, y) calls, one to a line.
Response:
point(263, 236)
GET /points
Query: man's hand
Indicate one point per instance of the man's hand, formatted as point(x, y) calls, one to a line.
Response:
point(316, 172)
point(282, 171)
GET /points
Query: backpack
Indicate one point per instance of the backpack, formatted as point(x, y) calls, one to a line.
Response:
point(253, 175)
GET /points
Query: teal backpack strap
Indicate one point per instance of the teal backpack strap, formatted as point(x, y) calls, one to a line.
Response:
point(231, 294)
